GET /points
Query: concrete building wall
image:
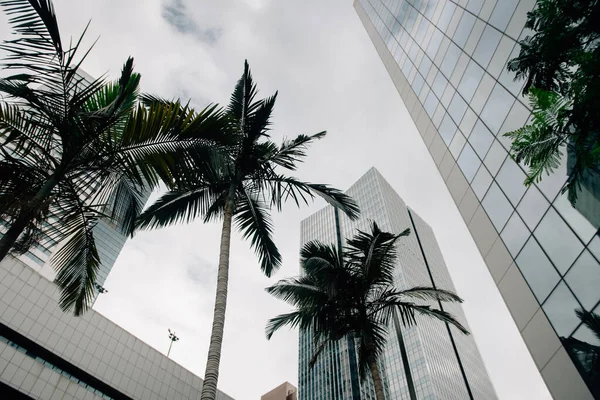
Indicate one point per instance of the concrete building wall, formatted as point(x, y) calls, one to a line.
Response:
point(65, 354)
point(285, 391)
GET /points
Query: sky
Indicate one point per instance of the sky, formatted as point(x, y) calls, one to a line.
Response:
point(329, 77)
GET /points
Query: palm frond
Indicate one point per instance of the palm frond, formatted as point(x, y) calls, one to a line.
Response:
point(253, 220)
point(284, 188)
point(175, 207)
point(291, 319)
point(291, 152)
point(242, 102)
point(77, 262)
point(590, 320)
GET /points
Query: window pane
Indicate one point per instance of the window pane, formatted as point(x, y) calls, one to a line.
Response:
point(514, 234)
point(495, 157)
point(447, 129)
point(487, 46)
point(431, 104)
point(468, 162)
point(510, 178)
point(481, 183)
point(470, 80)
point(502, 13)
point(425, 66)
point(481, 139)
point(497, 206)
point(538, 271)
point(450, 60)
point(560, 309)
point(584, 280)
point(457, 144)
point(594, 246)
point(446, 16)
point(582, 227)
point(439, 84)
point(558, 241)
point(533, 206)
point(417, 84)
point(496, 109)
point(457, 108)
point(464, 29)
point(475, 6)
point(434, 44)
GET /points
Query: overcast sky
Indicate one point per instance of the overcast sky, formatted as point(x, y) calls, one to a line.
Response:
point(329, 77)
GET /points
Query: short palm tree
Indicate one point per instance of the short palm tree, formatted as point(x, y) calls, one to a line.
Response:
point(352, 292)
point(244, 183)
point(73, 151)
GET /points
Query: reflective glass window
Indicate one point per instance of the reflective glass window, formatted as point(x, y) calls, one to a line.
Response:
point(481, 139)
point(532, 207)
point(511, 178)
point(514, 234)
point(584, 280)
point(447, 129)
point(430, 104)
point(496, 109)
point(457, 144)
point(495, 157)
point(487, 46)
point(502, 13)
point(446, 16)
point(481, 183)
point(457, 108)
point(559, 242)
point(470, 80)
point(497, 206)
point(425, 66)
point(469, 162)
point(560, 308)
point(584, 334)
point(475, 6)
point(439, 84)
point(537, 270)
point(464, 29)
point(551, 184)
point(450, 59)
point(417, 84)
point(434, 43)
point(582, 227)
point(594, 246)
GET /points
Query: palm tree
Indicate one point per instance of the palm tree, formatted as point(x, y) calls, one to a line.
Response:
point(243, 184)
point(560, 64)
point(73, 151)
point(352, 292)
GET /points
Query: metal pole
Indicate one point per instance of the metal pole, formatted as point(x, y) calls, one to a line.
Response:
point(172, 338)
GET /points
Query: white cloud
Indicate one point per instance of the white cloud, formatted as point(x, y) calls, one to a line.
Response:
point(329, 77)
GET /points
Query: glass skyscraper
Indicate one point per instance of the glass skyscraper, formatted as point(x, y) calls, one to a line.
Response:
point(443, 363)
point(447, 59)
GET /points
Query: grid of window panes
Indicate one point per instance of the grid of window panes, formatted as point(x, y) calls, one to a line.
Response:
point(454, 58)
point(433, 362)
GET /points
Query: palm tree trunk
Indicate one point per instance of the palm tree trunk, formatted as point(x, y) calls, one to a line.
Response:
point(9, 239)
point(211, 374)
point(377, 382)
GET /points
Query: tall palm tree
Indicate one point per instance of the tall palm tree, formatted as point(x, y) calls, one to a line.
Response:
point(73, 151)
point(243, 184)
point(352, 292)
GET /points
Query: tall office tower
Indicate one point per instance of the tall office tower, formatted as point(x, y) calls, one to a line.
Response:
point(443, 363)
point(447, 60)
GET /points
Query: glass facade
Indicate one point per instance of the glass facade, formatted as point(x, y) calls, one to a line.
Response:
point(435, 366)
point(453, 55)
